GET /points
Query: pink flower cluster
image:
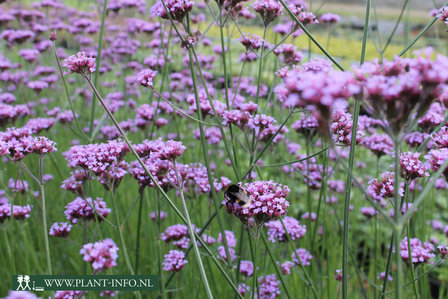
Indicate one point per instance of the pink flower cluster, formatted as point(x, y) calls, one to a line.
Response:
point(411, 167)
point(102, 254)
point(10, 113)
point(304, 256)
point(158, 157)
point(81, 63)
point(97, 158)
point(269, 10)
point(60, 230)
point(436, 159)
point(146, 78)
point(177, 9)
point(276, 232)
point(383, 188)
point(396, 88)
point(246, 268)
point(420, 252)
point(268, 201)
point(268, 287)
point(18, 212)
point(342, 126)
point(17, 143)
point(85, 209)
point(174, 261)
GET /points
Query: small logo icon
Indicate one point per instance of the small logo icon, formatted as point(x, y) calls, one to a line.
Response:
point(24, 281)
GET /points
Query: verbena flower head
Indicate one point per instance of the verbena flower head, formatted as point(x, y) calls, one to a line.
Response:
point(268, 201)
point(20, 186)
point(246, 268)
point(177, 9)
point(436, 159)
point(420, 252)
point(146, 78)
point(102, 255)
point(443, 249)
point(174, 233)
point(394, 89)
point(304, 256)
point(329, 18)
point(411, 167)
point(96, 157)
point(368, 211)
point(440, 139)
point(342, 127)
point(379, 144)
point(18, 143)
point(174, 261)
point(230, 238)
point(383, 188)
point(243, 289)
point(61, 230)
point(286, 267)
point(276, 232)
point(269, 287)
point(80, 63)
point(320, 91)
point(222, 254)
point(18, 212)
point(83, 209)
point(269, 10)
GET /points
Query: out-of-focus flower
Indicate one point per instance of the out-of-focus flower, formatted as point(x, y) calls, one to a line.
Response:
point(102, 254)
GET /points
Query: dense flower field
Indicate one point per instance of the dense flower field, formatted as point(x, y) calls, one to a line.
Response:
point(133, 143)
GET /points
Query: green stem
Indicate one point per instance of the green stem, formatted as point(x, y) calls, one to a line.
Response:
point(97, 66)
point(139, 222)
point(274, 264)
point(44, 216)
point(192, 235)
point(397, 228)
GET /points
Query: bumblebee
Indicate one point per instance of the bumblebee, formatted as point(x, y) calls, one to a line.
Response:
point(235, 193)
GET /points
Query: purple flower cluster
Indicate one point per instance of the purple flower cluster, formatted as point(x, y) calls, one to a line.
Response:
point(378, 144)
point(246, 268)
point(105, 160)
point(396, 88)
point(269, 10)
point(411, 167)
point(81, 63)
point(17, 143)
point(18, 212)
point(420, 252)
point(268, 287)
point(102, 254)
point(268, 201)
point(177, 9)
point(60, 230)
point(230, 238)
point(383, 188)
point(276, 231)
point(86, 209)
point(342, 126)
point(304, 256)
point(436, 159)
point(146, 78)
point(329, 18)
point(174, 261)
